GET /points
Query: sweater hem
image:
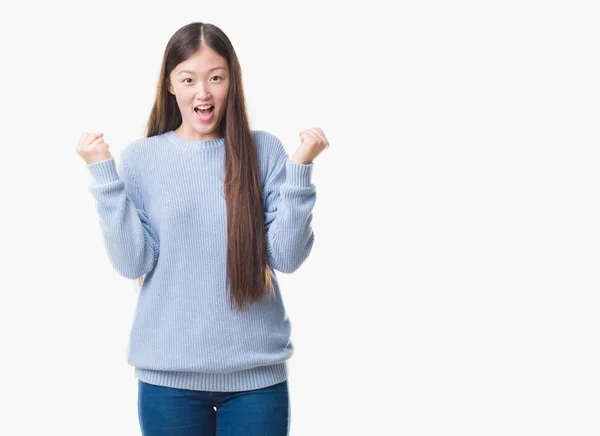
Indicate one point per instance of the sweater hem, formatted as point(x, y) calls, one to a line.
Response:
point(245, 380)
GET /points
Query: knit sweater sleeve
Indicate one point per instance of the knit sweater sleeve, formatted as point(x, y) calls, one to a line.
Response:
point(131, 243)
point(289, 200)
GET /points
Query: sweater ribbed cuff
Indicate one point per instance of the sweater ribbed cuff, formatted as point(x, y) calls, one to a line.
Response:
point(104, 171)
point(253, 378)
point(298, 174)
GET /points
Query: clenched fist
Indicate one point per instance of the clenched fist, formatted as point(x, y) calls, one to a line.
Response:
point(312, 142)
point(92, 148)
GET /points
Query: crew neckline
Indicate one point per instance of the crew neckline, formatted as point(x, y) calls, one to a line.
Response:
point(196, 143)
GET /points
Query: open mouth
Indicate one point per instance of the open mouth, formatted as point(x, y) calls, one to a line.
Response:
point(205, 114)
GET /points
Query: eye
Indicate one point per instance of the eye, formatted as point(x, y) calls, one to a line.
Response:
point(218, 77)
point(184, 80)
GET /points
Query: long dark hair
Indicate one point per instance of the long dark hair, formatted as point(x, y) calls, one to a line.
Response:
point(248, 274)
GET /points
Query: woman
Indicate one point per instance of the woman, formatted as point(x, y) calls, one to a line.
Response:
point(204, 210)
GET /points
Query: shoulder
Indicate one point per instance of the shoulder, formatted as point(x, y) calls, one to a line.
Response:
point(138, 148)
point(271, 154)
point(269, 147)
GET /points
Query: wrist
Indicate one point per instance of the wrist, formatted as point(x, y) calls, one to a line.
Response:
point(99, 158)
point(300, 161)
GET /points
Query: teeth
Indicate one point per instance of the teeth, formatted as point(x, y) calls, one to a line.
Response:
point(204, 106)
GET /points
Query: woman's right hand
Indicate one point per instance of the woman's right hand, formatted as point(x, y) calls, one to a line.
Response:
point(92, 148)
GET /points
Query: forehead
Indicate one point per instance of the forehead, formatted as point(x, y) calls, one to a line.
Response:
point(204, 61)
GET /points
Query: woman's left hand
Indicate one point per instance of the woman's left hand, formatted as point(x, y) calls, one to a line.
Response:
point(312, 142)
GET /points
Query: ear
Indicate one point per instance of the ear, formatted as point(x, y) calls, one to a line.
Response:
point(170, 88)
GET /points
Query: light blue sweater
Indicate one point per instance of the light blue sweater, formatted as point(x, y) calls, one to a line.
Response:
point(162, 213)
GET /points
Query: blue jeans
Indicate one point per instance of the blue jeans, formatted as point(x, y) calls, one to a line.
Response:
point(166, 411)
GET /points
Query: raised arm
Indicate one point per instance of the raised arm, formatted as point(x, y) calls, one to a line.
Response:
point(289, 199)
point(131, 243)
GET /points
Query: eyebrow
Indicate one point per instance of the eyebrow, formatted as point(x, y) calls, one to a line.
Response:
point(192, 72)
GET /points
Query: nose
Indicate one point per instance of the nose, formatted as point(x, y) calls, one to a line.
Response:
point(202, 93)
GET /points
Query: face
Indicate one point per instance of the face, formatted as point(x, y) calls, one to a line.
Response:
point(202, 79)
